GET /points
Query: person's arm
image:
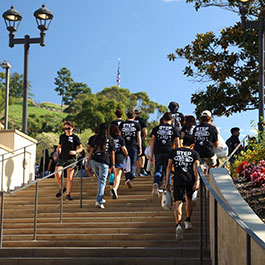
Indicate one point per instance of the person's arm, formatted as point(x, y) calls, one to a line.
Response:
point(59, 149)
point(196, 173)
point(112, 159)
point(182, 134)
point(152, 142)
point(78, 150)
point(139, 140)
point(90, 154)
point(49, 165)
point(125, 151)
point(145, 132)
point(176, 142)
point(168, 173)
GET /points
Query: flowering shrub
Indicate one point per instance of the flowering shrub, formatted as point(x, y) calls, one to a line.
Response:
point(250, 163)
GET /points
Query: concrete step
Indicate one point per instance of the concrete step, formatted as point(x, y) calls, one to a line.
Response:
point(103, 243)
point(183, 252)
point(102, 261)
point(134, 229)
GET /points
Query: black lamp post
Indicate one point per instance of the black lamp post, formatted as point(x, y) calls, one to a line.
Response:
point(260, 26)
point(12, 19)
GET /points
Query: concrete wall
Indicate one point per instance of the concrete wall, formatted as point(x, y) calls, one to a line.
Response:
point(16, 167)
point(231, 237)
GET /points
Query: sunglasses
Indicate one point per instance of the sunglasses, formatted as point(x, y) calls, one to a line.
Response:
point(67, 128)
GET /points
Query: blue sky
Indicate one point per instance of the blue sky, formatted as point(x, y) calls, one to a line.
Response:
point(89, 36)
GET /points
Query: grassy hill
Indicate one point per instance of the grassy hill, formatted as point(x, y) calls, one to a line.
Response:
point(40, 116)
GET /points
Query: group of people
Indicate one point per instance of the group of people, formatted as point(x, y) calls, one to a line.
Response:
point(177, 147)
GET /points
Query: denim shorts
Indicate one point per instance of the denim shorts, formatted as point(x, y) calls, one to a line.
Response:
point(119, 165)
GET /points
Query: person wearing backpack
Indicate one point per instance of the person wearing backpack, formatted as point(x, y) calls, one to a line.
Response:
point(206, 138)
point(178, 118)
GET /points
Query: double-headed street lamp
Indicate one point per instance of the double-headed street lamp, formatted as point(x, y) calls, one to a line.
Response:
point(260, 26)
point(6, 65)
point(12, 19)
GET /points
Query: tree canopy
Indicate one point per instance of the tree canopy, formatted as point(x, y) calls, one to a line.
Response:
point(67, 88)
point(88, 111)
point(227, 63)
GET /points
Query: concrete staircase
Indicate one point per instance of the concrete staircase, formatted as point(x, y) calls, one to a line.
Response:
point(133, 229)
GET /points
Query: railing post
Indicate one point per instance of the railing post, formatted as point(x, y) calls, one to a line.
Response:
point(43, 161)
point(248, 252)
point(2, 175)
point(61, 201)
point(201, 223)
point(24, 166)
point(2, 219)
point(215, 233)
point(81, 185)
point(205, 216)
point(36, 212)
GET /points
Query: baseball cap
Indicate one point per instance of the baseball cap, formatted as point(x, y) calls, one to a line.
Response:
point(173, 106)
point(206, 113)
point(137, 109)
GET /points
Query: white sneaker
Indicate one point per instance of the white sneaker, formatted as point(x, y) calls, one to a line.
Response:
point(179, 233)
point(155, 191)
point(100, 205)
point(188, 225)
point(129, 183)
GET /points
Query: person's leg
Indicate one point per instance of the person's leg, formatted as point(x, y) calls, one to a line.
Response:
point(58, 175)
point(102, 177)
point(70, 173)
point(133, 158)
point(178, 212)
point(118, 172)
point(157, 175)
point(164, 161)
point(189, 207)
point(178, 198)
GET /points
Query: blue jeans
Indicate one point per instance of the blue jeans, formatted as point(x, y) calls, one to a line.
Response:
point(101, 171)
point(132, 152)
point(161, 161)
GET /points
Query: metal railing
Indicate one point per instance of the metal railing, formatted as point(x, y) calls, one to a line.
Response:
point(235, 150)
point(204, 188)
point(36, 182)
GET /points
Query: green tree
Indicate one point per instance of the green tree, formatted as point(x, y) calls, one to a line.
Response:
point(227, 63)
point(16, 84)
point(89, 111)
point(67, 88)
point(63, 83)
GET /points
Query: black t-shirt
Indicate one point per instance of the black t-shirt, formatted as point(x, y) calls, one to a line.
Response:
point(178, 119)
point(117, 122)
point(205, 135)
point(232, 142)
point(68, 143)
point(183, 160)
point(129, 131)
point(142, 123)
point(99, 155)
point(118, 143)
point(91, 139)
point(187, 131)
point(164, 138)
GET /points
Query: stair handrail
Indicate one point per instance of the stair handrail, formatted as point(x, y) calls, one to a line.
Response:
point(36, 197)
point(13, 151)
point(250, 234)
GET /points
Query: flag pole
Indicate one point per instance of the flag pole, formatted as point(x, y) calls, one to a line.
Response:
point(118, 74)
